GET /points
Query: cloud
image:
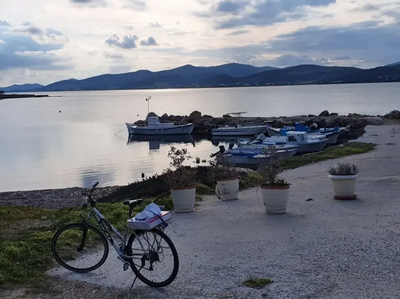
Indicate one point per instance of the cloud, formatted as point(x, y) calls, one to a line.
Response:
point(126, 42)
point(120, 68)
point(178, 33)
point(30, 29)
point(2, 42)
point(138, 5)
point(128, 27)
point(48, 36)
point(4, 24)
point(155, 25)
point(369, 41)
point(238, 32)
point(113, 55)
point(28, 47)
point(292, 60)
point(228, 6)
point(89, 3)
point(259, 13)
point(27, 52)
point(149, 42)
point(365, 44)
point(50, 32)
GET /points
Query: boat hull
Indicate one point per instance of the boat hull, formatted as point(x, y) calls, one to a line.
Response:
point(239, 131)
point(312, 147)
point(175, 130)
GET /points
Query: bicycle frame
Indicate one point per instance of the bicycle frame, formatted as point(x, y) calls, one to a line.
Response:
point(108, 229)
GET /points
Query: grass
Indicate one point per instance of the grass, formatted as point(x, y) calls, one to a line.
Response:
point(257, 283)
point(332, 152)
point(27, 231)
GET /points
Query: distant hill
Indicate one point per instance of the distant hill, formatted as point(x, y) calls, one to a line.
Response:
point(394, 64)
point(21, 87)
point(184, 76)
point(227, 75)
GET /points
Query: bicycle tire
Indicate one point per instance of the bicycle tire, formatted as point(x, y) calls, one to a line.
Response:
point(171, 245)
point(80, 226)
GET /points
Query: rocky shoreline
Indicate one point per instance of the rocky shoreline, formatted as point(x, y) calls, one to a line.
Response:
point(203, 124)
point(18, 96)
point(52, 198)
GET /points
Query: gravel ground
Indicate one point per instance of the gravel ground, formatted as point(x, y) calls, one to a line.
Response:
point(322, 248)
point(51, 198)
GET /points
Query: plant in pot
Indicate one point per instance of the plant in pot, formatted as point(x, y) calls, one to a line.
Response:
point(226, 177)
point(274, 190)
point(181, 180)
point(343, 177)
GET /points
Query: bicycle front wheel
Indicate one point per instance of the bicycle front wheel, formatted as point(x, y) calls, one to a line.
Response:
point(79, 247)
point(155, 259)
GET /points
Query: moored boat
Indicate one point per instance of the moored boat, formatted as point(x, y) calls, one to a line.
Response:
point(238, 129)
point(155, 127)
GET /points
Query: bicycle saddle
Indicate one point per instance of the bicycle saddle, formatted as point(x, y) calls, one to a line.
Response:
point(132, 202)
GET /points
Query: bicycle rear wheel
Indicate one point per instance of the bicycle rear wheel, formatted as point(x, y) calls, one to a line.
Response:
point(158, 264)
point(79, 247)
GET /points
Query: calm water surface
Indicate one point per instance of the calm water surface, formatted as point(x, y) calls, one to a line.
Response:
point(42, 148)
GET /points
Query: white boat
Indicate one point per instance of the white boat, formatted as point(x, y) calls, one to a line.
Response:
point(302, 140)
point(155, 127)
point(239, 130)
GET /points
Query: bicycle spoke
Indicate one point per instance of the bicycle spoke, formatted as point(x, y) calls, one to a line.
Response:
point(159, 263)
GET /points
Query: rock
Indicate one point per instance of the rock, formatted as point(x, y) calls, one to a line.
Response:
point(395, 114)
point(195, 115)
point(324, 113)
point(333, 114)
point(279, 123)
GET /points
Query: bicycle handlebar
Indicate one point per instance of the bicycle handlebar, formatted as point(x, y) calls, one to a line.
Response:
point(88, 195)
point(94, 187)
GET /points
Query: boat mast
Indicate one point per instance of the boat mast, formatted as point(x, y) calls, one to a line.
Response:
point(148, 105)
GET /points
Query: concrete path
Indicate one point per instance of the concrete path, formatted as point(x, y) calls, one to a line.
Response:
point(322, 248)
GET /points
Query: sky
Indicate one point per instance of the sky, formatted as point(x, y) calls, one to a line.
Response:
point(44, 41)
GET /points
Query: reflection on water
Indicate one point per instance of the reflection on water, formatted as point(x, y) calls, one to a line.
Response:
point(155, 141)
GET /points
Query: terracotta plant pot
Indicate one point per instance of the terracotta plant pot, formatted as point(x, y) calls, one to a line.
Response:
point(184, 199)
point(227, 189)
point(275, 198)
point(344, 186)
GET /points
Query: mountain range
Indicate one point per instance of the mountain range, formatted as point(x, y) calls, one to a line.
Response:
point(227, 75)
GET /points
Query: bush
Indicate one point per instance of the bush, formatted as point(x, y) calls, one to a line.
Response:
point(180, 176)
point(343, 169)
point(270, 168)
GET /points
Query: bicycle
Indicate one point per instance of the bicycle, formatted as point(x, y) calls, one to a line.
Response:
point(148, 256)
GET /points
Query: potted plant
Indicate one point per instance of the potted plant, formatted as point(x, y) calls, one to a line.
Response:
point(226, 177)
point(181, 180)
point(274, 190)
point(343, 177)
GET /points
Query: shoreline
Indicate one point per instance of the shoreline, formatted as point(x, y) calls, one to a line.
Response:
point(20, 96)
point(52, 198)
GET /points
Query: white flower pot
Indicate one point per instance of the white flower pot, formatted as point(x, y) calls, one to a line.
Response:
point(184, 199)
point(344, 186)
point(227, 189)
point(275, 199)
